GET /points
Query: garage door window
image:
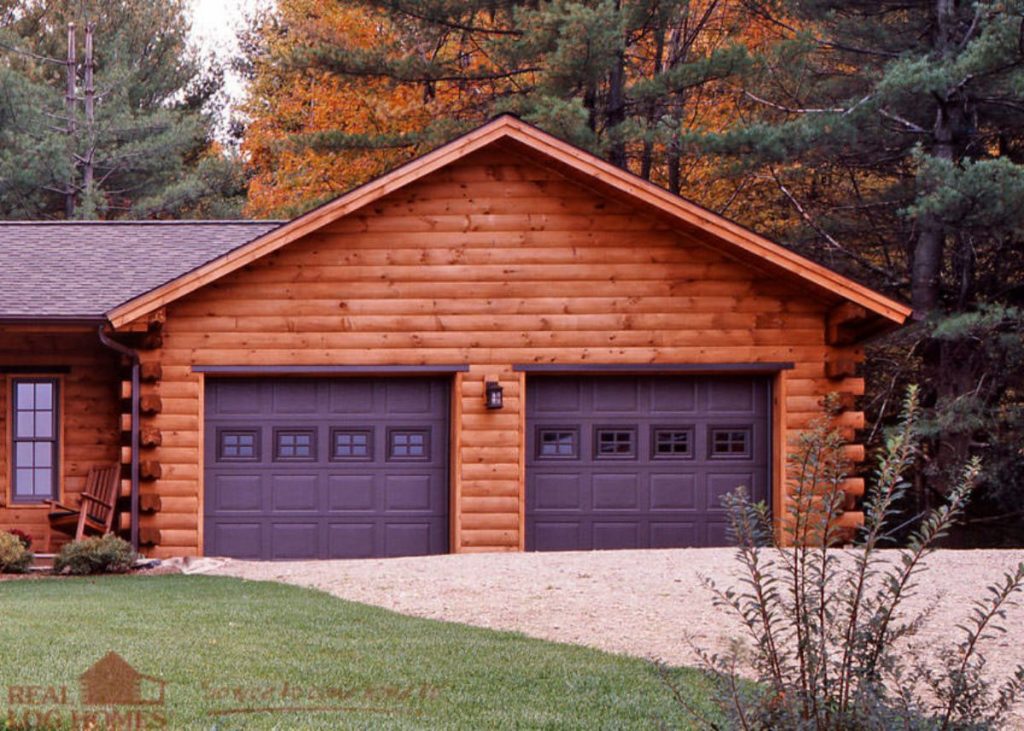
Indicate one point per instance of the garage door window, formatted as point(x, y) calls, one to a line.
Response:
point(352, 445)
point(238, 445)
point(615, 443)
point(294, 445)
point(408, 445)
point(558, 443)
point(730, 443)
point(672, 442)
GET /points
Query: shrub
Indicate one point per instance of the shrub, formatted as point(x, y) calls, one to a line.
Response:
point(25, 538)
point(15, 558)
point(106, 555)
point(826, 624)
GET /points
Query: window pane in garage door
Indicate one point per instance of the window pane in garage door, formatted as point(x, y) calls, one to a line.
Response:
point(321, 468)
point(640, 462)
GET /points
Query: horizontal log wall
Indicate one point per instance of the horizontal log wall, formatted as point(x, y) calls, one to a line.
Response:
point(89, 416)
point(491, 262)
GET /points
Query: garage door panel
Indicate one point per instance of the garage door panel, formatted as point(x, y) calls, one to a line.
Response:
point(409, 539)
point(242, 540)
point(290, 540)
point(614, 396)
point(718, 533)
point(642, 460)
point(731, 397)
point(351, 540)
point(404, 397)
point(556, 398)
point(559, 535)
point(351, 397)
point(351, 493)
point(294, 493)
point(557, 492)
point(294, 397)
point(238, 493)
point(409, 492)
point(330, 467)
point(616, 534)
point(718, 485)
point(238, 397)
point(619, 491)
point(676, 534)
point(673, 398)
point(673, 491)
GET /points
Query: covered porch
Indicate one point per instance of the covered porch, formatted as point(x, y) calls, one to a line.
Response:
point(65, 401)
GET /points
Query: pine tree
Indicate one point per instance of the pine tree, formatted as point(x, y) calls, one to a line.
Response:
point(622, 78)
point(894, 129)
point(146, 151)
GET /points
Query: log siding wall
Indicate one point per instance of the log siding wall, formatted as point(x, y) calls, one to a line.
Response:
point(492, 261)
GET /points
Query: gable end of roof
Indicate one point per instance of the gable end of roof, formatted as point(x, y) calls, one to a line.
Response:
point(539, 143)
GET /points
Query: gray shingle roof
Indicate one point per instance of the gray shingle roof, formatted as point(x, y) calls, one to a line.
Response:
point(83, 270)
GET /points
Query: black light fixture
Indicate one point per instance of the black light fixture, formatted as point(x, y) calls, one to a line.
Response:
point(493, 396)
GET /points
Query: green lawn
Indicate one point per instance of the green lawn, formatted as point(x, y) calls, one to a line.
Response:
point(223, 645)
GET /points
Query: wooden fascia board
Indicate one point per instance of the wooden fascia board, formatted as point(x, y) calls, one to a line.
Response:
point(536, 142)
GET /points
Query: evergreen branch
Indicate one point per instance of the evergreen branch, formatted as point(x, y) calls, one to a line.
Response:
point(759, 11)
point(396, 6)
point(810, 110)
point(30, 54)
point(809, 220)
point(375, 64)
point(911, 127)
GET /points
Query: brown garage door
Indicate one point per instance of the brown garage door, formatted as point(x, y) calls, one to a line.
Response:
point(640, 462)
point(321, 468)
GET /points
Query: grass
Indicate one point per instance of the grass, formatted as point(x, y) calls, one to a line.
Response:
point(222, 644)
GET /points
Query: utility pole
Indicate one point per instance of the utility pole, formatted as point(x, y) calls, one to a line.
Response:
point(69, 106)
point(90, 116)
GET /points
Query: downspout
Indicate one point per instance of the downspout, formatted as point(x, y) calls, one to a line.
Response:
point(134, 357)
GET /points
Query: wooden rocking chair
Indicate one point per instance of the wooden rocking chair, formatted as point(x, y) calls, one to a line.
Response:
point(95, 513)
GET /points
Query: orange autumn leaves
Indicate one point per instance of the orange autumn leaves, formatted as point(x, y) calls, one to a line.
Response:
point(285, 101)
point(291, 101)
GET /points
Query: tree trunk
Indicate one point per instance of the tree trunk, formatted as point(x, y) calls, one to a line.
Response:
point(615, 114)
point(590, 104)
point(69, 107)
point(647, 157)
point(673, 156)
point(929, 250)
point(927, 269)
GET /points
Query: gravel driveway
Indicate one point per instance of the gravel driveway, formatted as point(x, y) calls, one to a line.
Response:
point(646, 603)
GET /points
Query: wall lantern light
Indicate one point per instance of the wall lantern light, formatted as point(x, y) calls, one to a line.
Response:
point(493, 395)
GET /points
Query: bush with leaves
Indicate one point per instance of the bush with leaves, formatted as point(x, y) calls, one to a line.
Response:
point(106, 555)
point(15, 558)
point(25, 538)
point(826, 623)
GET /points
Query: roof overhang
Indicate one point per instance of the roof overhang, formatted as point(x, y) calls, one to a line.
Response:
point(699, 223)
point(51, 323)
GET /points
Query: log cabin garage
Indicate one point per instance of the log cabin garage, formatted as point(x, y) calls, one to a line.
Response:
point(505, 344)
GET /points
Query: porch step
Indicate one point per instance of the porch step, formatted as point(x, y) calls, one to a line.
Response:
point(42, 562)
